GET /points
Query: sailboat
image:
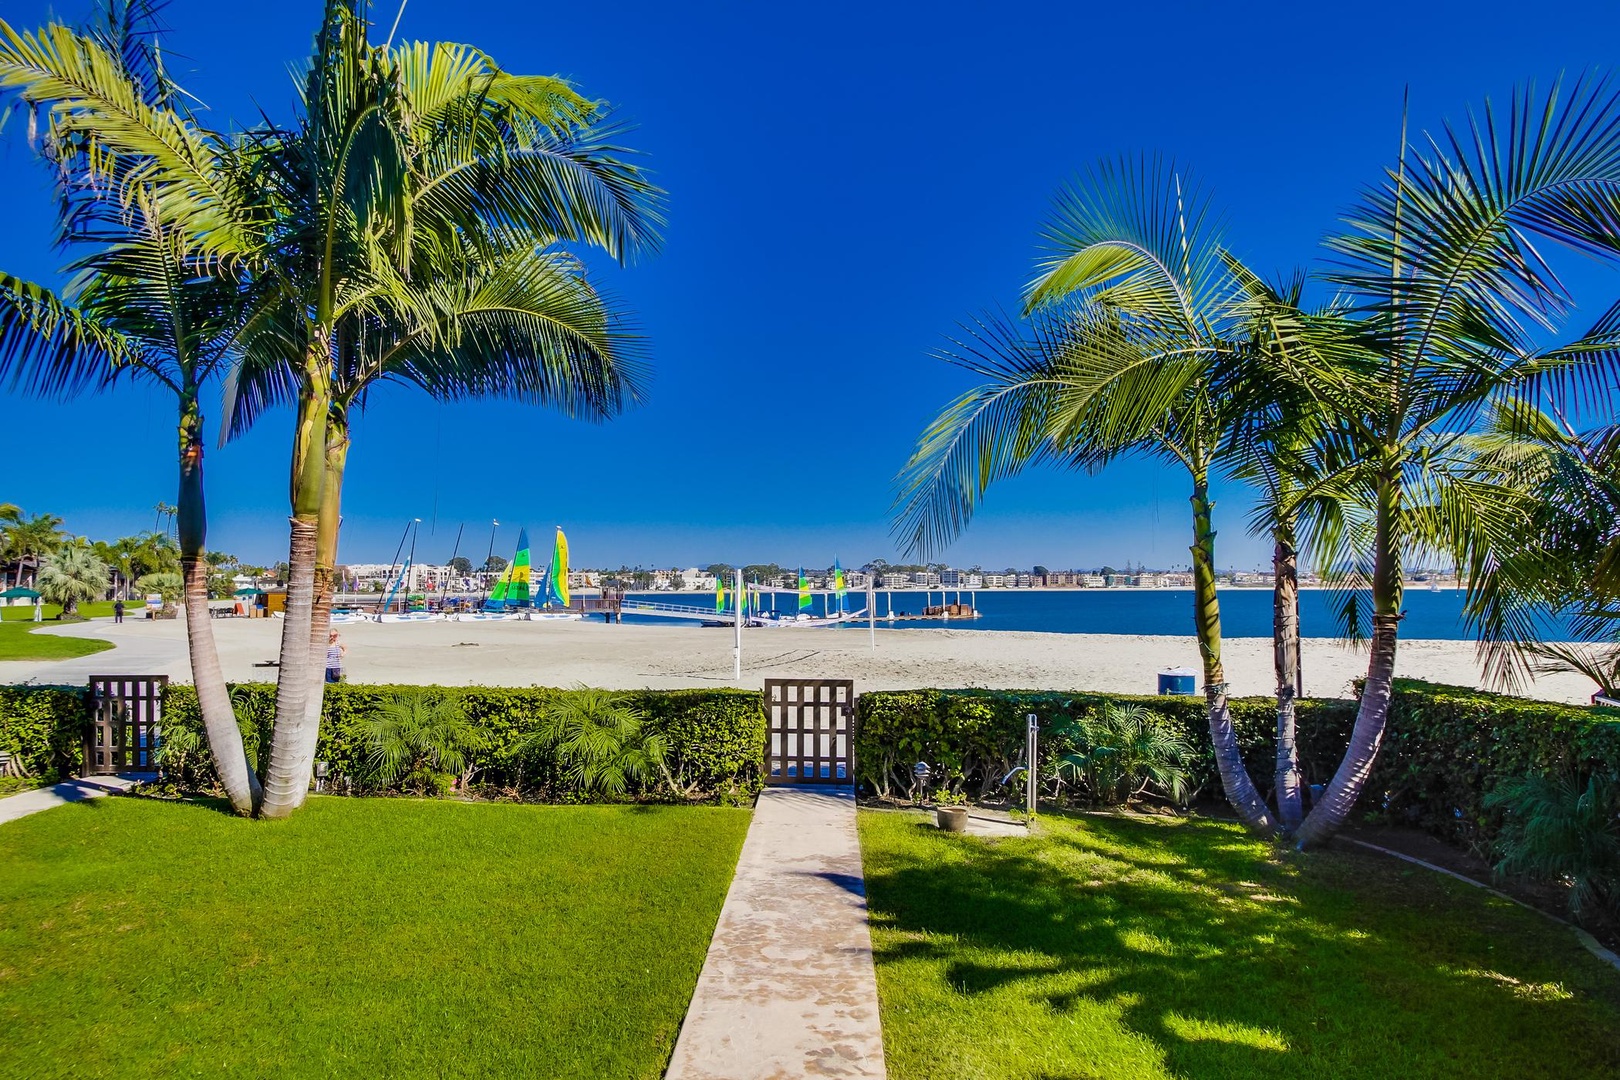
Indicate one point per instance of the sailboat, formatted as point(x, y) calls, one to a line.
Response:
point(512, 599)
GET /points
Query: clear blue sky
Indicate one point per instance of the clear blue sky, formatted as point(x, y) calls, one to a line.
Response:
point(847, 182)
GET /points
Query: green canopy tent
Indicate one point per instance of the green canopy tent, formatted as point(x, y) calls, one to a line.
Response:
point(19, 593)
point(247, 592)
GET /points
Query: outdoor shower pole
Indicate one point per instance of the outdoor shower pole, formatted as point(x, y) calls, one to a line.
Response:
point(871, 613)
point(1030, 749)
point(736, 652)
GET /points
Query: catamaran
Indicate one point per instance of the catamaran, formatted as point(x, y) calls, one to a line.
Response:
point(513, 599)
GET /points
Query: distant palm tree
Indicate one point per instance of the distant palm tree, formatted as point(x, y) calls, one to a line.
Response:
point(73, 575)
point(1448, 292)
point(30, 539)
point(1131, 320)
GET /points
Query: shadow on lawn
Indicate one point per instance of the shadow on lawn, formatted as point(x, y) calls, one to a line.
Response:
point(1228, 955)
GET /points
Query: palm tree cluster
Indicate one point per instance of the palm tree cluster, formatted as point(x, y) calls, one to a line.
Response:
point(1380, 427)
point(416, 221)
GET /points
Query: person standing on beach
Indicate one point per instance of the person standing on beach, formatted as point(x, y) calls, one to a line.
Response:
point(334, 657)
point(118, 611)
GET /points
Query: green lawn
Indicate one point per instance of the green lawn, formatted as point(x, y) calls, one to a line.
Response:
point(1125, 948)
point(19, 642)
point(375, 937)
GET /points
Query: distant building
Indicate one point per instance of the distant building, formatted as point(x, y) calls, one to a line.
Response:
point(896, 581)
point(1178, 581)
point(994, 581)
point(1060, 579)
point(1091, 581)
point(972, 581)
point(1023, 581)
point(951, 579)
point(925, 578)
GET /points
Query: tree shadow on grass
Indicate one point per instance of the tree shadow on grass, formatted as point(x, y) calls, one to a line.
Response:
point(1237, 960)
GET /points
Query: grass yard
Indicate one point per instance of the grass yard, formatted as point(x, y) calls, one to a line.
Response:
point(19, 642)
point(361, 937)
point(1125, 948)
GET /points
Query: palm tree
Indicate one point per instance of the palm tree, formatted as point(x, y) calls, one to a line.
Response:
point(73, 575)
point(406, 158)
point(29, 540)
point(1447, 292)
point(148, 307)
point(398, 152)
point(1129, 322)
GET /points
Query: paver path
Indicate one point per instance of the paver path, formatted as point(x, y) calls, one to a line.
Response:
point(24, 803)
point(788, 988)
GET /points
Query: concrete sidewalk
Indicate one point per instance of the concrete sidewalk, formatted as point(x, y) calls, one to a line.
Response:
point(24, 803)
point(788, 988)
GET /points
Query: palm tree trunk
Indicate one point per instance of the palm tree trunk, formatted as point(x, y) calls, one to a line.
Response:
point(326, 541)
point(1285, 647)
point(236, 775)
point(1240, 790)
point(292, 745)
point(1330, 814)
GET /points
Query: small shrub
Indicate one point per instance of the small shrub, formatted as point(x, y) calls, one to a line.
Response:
point(421, 744)
point(602, 744)
point(1124, 751)
point(1564, 832)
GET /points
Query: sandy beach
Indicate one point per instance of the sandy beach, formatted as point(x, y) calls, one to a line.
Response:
point(632, 656)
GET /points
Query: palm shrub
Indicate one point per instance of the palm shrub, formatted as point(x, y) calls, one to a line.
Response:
point(419, 743)
point(165, 583)
point(1125, 751)
point(73, 576)
point(602, 744)
point(1559, 830)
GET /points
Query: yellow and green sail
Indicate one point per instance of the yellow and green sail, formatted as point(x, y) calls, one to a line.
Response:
point(513, 587)
point(804, 590)
point(559, 568)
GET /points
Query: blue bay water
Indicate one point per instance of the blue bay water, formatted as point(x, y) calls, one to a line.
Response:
point(1244, 612)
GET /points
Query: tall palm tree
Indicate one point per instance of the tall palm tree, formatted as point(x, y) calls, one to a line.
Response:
point(30, 539)
point(146, 305)
point(1131, 317)
point(396, 149)
point(421, 190)
point(1448, 292)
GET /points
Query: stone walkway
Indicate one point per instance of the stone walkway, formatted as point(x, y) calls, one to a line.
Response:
point(24, 803)
point(788, 988)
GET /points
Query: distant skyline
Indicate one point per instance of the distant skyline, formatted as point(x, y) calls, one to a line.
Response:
point(847, 184)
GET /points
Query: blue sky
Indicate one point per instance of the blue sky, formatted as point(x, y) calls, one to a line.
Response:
point(847, 183)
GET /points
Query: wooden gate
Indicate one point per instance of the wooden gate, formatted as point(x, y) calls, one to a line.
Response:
point(811, 731)
point(124, 734)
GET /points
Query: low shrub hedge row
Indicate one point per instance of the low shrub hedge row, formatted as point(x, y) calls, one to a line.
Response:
point(979, 734)
point(716, 737)
point(42, 728)
point(1445, 748)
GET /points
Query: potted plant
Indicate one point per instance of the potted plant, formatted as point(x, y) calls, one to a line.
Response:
point(951, 812)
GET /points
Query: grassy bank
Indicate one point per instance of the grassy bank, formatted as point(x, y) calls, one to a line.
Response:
point(359, 938)
point(19, 642)
point(1135, 949)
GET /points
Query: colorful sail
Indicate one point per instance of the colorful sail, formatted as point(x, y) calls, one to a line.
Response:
point(513, 588)
point(719, 594)
point(804, 590)
point(559, 568)
point(838, 584)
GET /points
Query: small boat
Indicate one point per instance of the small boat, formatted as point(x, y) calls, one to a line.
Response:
point(806, 621)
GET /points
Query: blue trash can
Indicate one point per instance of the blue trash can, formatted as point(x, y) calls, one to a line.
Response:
point(1178, 681)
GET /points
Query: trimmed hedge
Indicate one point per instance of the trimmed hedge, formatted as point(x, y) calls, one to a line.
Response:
point(1445, 747)
point(43, 729)
point(980, 733)
point(716, 737)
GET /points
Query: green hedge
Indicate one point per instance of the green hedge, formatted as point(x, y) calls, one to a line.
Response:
point(980, 733)
point(1445, 747)
point(716, 737)
point(43, 728)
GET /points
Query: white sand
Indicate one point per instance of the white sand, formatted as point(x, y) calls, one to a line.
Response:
point(632, 656)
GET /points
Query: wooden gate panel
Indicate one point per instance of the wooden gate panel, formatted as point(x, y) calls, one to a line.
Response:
point(810, 731)
point(124, 732)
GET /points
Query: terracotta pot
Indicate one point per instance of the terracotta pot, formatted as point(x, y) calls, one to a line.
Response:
point(951, 818)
